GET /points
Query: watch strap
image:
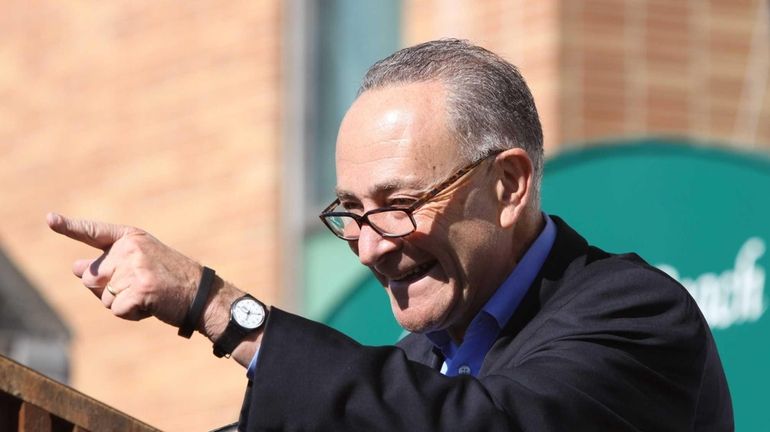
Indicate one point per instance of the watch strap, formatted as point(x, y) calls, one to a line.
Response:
point(233, 335)
point(196, 308)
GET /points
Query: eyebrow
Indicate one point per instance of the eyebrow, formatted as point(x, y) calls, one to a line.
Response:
point(382, 189)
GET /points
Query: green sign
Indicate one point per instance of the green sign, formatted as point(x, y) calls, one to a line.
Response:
point(700, 214)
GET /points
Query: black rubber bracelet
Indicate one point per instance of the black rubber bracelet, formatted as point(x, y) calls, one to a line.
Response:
point(196, 308)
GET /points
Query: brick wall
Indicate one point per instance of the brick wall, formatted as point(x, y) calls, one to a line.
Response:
point(610, 68)
point(658, 67)
point(159, 114)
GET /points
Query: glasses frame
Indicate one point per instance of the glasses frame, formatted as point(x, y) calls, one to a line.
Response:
point(364, 218)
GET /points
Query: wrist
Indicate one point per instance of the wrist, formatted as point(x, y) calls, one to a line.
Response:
point(216, 316)
point(194, 314)
point(245, 351)
point(216, 313)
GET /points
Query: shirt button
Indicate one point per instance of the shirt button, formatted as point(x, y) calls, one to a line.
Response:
point(464, 370)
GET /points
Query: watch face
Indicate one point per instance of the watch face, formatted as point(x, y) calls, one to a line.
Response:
point(248, 313)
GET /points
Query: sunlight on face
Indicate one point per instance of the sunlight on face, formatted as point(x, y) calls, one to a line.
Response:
point(393, 146)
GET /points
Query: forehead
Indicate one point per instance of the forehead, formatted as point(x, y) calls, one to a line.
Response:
point(397, 136)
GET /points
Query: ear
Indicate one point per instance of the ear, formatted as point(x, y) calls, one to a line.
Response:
point(515, 177)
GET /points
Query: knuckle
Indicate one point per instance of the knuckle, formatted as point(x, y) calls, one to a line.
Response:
point(89, 281)
point(135, 243)
point(131, 230)
point(100, 279)
point(127, 244)
point(145, 282)
point(105, 301)
point(121, 313)
point(124, 308)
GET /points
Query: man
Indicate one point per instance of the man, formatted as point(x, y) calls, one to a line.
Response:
point(517, 323)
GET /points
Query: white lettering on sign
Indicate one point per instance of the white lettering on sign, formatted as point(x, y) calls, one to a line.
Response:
point(736, 295)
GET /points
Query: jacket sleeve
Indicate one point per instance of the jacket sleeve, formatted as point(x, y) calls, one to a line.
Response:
point(635, 363)
point(312, 378)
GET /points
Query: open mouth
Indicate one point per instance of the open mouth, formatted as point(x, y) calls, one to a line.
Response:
point(415, 273)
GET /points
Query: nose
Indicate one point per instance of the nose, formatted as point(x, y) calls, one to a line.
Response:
point(371, 246)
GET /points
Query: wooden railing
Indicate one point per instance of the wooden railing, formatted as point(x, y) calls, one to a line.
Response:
point(30, 402)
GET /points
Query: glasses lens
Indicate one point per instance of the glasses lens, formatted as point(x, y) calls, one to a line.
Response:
point(392, 222)
point(343, 226)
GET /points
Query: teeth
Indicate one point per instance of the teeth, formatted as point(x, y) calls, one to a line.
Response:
point(414, 271)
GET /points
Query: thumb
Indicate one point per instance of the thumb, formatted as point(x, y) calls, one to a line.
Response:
point(97, 234)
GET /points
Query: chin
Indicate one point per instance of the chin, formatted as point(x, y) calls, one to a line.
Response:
point(412, 326)
point(419, 321)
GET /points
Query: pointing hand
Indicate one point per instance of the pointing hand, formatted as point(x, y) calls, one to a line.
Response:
point(145, 277)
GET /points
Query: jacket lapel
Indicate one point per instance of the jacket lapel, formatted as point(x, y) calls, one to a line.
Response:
point(567, 250)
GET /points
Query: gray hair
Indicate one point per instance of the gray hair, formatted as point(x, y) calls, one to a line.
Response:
point(490, 106)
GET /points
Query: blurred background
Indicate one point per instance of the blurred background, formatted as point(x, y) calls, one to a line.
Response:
point(212, 125)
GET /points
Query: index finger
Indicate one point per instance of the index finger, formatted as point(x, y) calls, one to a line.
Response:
point(97, 234)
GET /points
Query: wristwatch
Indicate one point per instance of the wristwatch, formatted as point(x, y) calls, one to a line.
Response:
point(247, 314)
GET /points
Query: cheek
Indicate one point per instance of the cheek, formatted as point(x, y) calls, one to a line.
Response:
point(478, 207)
point(473, 247)
point(459, 233)
point(453, 241)
point(482, 206)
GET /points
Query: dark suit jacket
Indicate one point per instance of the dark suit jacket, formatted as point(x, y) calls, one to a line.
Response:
point(600, 342)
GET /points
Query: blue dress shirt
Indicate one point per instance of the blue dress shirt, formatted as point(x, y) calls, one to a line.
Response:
point(467, 358)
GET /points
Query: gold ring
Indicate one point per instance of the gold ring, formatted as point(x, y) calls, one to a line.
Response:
point(112, 291)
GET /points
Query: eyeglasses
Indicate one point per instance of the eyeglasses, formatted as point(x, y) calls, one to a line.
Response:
point(392, 222)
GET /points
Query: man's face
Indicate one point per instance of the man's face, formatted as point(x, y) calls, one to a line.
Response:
point(393, 146)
